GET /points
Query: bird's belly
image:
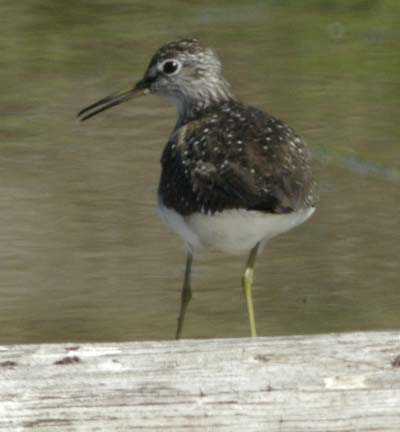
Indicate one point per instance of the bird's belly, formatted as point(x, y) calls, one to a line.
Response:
point(231, 231)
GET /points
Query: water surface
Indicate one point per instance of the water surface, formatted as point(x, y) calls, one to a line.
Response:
point(83, 254)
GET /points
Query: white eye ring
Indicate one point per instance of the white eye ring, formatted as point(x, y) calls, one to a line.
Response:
point(170, 66)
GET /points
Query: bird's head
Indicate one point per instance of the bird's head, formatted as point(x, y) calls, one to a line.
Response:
point(183, 71)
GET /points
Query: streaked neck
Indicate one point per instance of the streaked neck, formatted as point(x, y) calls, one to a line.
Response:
point(190, 104)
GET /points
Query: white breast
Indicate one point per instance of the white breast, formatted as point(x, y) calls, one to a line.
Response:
point(231, 231)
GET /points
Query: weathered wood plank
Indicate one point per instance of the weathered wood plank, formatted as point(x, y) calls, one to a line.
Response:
point(327, 383)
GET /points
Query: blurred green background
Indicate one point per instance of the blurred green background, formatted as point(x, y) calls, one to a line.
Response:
point(83, 254)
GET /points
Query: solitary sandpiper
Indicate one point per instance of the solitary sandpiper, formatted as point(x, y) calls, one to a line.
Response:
point(232, 176)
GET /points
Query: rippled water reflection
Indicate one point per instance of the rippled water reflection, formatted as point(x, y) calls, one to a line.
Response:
point(83, 253)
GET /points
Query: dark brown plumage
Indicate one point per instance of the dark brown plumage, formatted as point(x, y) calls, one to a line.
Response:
point(233, 156)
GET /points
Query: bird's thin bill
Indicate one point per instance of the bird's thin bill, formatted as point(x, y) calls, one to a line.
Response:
point(111, 100)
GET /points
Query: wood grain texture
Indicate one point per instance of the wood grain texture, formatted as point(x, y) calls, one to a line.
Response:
point(327, 383)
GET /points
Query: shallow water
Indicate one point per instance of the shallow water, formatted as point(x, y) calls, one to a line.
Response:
point(83, 253)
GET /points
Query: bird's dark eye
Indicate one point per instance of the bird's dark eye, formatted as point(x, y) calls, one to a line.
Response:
point(169, 67)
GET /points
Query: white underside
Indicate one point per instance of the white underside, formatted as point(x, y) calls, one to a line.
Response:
point(231, 231)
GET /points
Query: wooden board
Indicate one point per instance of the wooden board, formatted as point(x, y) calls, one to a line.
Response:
point(326, 383)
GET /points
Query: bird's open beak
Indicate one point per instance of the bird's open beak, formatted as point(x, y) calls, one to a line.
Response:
point(141, 88)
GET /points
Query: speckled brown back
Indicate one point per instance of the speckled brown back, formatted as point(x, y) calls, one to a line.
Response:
point(233, 156)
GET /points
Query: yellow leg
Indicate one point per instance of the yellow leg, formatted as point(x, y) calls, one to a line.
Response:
point(248, 286)
point(186, 294)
